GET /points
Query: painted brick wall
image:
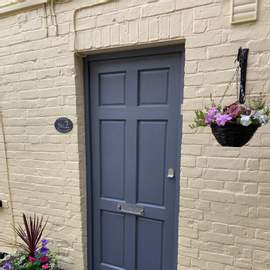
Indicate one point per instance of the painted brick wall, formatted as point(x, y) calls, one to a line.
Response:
point(225, 193)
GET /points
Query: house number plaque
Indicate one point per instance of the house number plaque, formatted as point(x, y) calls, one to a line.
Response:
point(63, 125)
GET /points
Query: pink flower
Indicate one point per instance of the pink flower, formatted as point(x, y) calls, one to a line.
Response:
point(45, 266)
point(31, 259)
point(44, 259)
point(222, 119)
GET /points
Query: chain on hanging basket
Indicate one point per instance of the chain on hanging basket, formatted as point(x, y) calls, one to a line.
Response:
point(235, 125)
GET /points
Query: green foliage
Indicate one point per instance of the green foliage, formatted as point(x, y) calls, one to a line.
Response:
point(199, 120)
point(53, 261)
point(257, 103)
point(30, 266)
point(266, 111)
point(219, 107)
point(256, 113)
point(20, 261)
point(33, 253)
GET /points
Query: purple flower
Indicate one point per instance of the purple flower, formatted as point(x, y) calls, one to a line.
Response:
point(222, 119)
point(44, 242)
point(210, 116)
point(44, 251)
point(7, 266)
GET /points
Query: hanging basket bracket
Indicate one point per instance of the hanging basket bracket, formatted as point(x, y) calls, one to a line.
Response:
point(242, 58)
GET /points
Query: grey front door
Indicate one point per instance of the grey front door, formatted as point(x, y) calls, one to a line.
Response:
point(135, 120)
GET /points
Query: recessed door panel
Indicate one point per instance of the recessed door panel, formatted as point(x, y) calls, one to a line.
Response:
point(112, 238)
point(135, 119)
point(151, 161)
point(112, 164)
point(112, 88)
point(153, 86)
point(149, 247)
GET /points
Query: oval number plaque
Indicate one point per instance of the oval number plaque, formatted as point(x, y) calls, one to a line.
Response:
point(63, 125)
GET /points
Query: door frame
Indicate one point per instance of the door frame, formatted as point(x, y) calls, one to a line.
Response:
point(169, 49)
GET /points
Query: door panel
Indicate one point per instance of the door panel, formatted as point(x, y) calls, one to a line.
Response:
point(134, 129)
point(149, 247)
point(153, 86)
point(112, 237)
point(151, 161)
point(112, 169)
point(109, 95)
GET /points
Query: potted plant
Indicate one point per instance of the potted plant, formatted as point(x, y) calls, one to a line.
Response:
point(33, 252)
point(233, 125)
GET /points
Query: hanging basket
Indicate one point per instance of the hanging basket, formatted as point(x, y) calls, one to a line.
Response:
point(233, 135)
point(236, 116)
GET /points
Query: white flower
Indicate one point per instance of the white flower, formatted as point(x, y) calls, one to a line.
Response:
point(259, 115)
point(245, 120)
point(263, 119)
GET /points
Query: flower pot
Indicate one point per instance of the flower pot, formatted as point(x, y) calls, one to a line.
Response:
point(234, 135)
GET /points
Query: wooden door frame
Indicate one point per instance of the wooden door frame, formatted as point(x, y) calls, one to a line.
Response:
point(154, 51)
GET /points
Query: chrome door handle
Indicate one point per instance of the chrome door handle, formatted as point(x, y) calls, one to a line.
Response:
point(170, 174)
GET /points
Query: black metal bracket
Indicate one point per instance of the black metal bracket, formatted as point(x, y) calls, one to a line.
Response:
point(1, 204)
point(242, 58)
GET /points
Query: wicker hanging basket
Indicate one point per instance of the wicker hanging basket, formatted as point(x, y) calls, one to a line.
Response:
point(233, 135)
point(234, 125)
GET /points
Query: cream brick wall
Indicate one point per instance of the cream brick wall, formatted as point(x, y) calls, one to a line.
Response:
point(224, 203)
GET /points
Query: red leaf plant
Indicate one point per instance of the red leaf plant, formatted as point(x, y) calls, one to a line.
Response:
point(235, 110)
point(30, 233)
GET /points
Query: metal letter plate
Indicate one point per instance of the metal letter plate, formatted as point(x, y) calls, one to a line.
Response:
point(131, 209)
